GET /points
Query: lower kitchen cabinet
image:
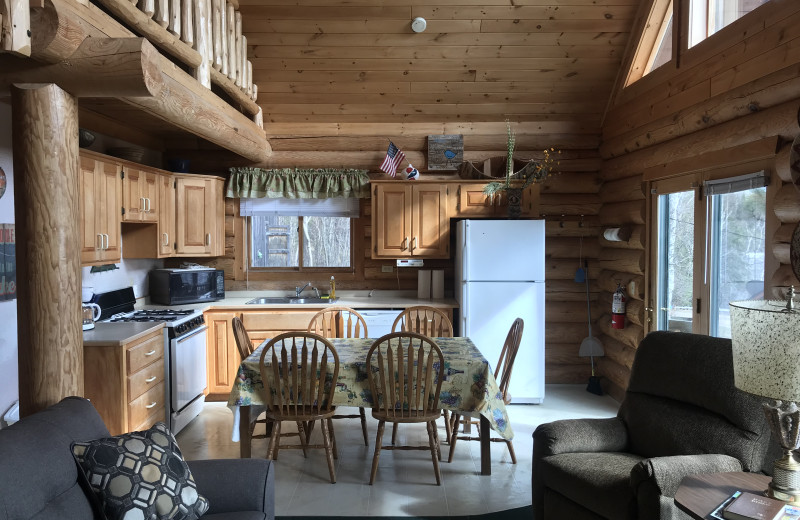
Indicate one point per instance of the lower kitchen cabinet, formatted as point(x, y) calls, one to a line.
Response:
point(223, 355)
point(125, 382)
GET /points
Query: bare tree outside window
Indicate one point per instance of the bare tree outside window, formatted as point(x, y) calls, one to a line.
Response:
point(275, 242)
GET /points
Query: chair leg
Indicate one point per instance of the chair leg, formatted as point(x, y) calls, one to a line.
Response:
point(447, 426)
point(436, 438)
point(363, 415)
point(326, 439)
point(302, 434)
point(511, 451)
point(434, 449)
point(332, 435)
point(272, 449)
point(309, 429)
point(376, 456)
point(453, 437)
point(394, 433)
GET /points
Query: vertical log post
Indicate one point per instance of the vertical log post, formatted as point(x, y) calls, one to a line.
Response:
point(46, 199)
point(175, 17)
point(217, 31)
point(203, 72)
point(224, 36)
point(231, 19)
point(187, 27)
point(238, 52)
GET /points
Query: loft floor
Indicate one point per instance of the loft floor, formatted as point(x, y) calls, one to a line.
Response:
point(405, 484)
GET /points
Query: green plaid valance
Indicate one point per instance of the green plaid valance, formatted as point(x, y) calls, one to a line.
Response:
point(296, 183)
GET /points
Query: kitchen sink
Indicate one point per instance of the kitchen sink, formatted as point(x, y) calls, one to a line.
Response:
point(288, 299)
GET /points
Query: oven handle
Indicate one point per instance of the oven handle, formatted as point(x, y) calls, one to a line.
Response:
point(198, 330)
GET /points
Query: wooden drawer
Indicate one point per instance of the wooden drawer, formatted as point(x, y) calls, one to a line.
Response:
point(146, 405)
point(157, 415)
point(145, 379)
point(277, 320)
point(145, 353)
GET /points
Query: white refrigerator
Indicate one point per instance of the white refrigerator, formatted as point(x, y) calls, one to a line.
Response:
point(500, 277)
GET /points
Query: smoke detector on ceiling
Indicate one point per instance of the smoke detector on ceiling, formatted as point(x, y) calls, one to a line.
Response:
point(418, 24)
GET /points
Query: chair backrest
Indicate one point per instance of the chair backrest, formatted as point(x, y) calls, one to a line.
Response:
point(242, 338)
point(682, 400)
point(422, 319)
point(502, 372)
point(405, 372)
point(338, 322)
point(299, 371)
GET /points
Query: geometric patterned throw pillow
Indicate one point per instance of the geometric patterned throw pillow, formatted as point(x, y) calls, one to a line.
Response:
point(140, 476)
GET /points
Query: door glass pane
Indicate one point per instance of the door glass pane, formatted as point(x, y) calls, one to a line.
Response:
point(274, 241)
point(675, 261)
point(737, 229)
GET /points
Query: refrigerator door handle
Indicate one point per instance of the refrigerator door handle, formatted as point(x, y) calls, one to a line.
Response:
point(465, 253)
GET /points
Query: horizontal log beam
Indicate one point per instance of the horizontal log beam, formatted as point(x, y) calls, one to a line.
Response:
point(240, 98)
point(100, 67)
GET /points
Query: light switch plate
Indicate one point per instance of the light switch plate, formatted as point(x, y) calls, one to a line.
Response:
point(387, 268)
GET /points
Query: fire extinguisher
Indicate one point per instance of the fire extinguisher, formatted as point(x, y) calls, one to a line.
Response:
point(618, 308)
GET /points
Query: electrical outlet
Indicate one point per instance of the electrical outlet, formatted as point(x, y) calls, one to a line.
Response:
point(386, 269)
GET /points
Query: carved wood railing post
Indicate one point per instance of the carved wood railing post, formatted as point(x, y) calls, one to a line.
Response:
point(15, 24)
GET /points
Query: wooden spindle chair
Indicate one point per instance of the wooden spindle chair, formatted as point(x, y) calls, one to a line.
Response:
point(502, 373)
point(433, 323)
point(405, 372)
point(246, 348)
point(341, 322)
point(299, 371)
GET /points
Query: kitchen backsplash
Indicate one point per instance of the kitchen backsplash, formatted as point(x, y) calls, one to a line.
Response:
point(131, 272)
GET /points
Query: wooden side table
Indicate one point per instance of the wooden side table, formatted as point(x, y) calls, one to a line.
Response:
point(700, 494)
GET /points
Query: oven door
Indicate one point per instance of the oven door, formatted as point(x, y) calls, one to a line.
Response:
point(188, 367)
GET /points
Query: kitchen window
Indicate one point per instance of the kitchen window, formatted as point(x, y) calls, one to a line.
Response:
point(300, 234)
point(709, 250)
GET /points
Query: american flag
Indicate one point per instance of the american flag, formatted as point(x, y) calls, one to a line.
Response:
point(393, 157)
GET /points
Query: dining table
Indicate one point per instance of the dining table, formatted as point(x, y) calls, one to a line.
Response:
point(469, 389)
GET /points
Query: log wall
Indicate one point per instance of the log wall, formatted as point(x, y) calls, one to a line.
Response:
point(733, 101)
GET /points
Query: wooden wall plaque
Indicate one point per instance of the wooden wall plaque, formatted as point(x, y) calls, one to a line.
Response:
point(445, 152)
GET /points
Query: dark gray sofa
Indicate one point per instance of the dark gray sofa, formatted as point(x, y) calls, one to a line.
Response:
point(681, 415)
point(39, 478)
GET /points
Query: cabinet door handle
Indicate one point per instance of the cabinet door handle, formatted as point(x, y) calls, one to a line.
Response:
point(142, 204)
point(208, 239)
point(151, 405)
point(166, 239)
point(404, 245)
point(149, 205)
point(413, 243)
point(150, 379)
point(96, 246)
point(103, 241)
point(151, 352)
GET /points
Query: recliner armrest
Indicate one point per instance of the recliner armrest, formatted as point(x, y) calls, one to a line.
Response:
point(580, 435)
point(233, 485)
point(663, 475)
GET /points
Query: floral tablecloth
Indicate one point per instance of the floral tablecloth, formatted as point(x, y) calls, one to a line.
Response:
point(469, 387)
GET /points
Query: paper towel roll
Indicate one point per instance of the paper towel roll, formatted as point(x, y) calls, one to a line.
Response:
point(424, 284)
point(437, 284)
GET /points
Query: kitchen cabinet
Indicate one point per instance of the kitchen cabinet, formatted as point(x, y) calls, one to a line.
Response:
point(473, 203)
point(223, 357)
point(125, 381)
point(200, 216)
point(154, 240)
point(410, 220)
point(101, 209)
point(223, 353)
point(139, 195)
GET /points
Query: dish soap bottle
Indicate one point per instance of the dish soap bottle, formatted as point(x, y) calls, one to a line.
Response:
point(333, 288)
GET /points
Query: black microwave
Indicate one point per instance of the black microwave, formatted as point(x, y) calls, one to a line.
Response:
point(179, 286)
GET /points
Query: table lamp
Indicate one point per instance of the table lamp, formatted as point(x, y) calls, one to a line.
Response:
point(766, 345)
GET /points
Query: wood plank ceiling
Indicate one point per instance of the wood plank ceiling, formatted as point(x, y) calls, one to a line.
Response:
point(337, 78)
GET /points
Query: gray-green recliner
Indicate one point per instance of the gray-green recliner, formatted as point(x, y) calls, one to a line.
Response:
point(681, 415)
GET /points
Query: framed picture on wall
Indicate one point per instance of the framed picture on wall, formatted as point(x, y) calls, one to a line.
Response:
point(445, 152)
point(3, 183)
point(8, 263)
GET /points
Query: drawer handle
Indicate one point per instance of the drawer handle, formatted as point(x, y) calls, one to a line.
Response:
point(150, 379)
point(151, 405)
point(151, 352)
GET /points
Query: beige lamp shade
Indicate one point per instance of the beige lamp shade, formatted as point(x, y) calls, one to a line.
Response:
point(766, 349)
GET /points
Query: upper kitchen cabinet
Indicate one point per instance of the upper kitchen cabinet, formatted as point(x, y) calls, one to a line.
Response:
point(139, 195)
point(166, 216)
point(200, 216)
point(410, 220)
point(155, 240)
point(471, 201)
point(101, 210)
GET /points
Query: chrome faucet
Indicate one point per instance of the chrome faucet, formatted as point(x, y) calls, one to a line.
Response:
point(316, 291)
point(298, 290)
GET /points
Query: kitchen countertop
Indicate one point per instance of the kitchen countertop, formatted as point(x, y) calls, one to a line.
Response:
point(354, 299)
point(117, 334)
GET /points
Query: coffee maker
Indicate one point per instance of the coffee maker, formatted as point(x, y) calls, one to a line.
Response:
point(90, 311)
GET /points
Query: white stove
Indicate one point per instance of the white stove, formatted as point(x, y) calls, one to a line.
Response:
point(185, 351)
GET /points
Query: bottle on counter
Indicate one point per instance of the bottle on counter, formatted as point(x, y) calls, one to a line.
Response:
point(333, 288)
